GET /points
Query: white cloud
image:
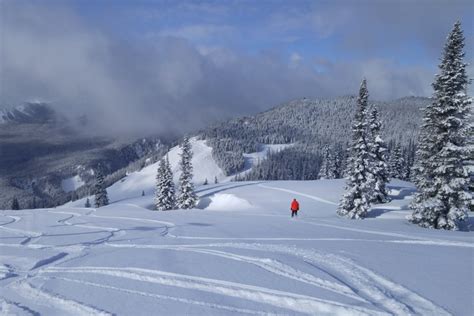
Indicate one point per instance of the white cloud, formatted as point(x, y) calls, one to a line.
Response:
point(168, 84)
point(295, 59)
point(198, 32)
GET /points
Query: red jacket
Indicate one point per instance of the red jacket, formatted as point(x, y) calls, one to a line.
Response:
point(295, 206)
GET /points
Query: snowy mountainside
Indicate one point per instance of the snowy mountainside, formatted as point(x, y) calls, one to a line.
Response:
point(40, 149)
point(204, 167)
point(29, 113)
point(309, 124)
point(145, 180)
point(320, 121)
point(42, 153)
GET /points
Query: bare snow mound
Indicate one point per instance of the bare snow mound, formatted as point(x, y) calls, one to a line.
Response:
point(225, 201)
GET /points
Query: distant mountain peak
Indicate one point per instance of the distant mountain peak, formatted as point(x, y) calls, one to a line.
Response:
point(29, 113)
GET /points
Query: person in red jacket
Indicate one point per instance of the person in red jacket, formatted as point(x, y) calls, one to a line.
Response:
point(295, 206)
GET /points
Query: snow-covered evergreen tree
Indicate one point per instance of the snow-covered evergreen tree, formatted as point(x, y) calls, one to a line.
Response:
point(187, 197)
point(378, 154)
point(101, 198)
point(356, 201)
point(165, 198)
point(409, 161)
point(470, 162)
point(397, 163)
point(327, 167)
point(337, 166)
point(33, 203)
point(15, 205)
point(443, 197)
point(343, 155)
point(334, 166)
point(338, 163)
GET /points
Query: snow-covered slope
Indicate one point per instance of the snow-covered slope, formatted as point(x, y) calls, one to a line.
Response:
point(39, 146)
point(240, 254)
point(144, 180)
point(204, 167)
point(32, 112)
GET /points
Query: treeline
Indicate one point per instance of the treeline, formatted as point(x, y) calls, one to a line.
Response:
point(311, 125)
point(302, 162)
point(228, 154)
point(41, 200)
point(292, 163)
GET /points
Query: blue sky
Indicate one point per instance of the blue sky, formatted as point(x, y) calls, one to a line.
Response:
point(322, 29)
point(201, 61)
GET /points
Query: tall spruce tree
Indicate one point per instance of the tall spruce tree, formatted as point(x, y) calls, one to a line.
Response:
point(326, 171)
point(337, 165)
point(165, 198)
point(378, 154)
point(409, 161)
point(15, 205)
point(397, 163)
point(443, 197)
point(100, 192)
point(470, 163)
point(356, 201)
point(187, 197)
point(341, 161)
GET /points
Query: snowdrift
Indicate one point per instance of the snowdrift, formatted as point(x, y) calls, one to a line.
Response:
point(224, 202)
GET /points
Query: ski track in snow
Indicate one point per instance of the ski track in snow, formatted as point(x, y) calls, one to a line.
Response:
point(21, 232)
point(427, 242)
point(268, 264)
point(283, 270)
point(8, 307)
point(312, 197)
point(45, 298)
point(13, 219)
point(382, 292)
point(281, 299)
point(42, 297)
point(73, 215)
point(164, 297)
point(356, 281)
point(217, 189)
point(408, 239)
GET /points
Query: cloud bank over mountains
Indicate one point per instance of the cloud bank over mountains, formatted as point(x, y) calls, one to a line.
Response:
point(182, 77)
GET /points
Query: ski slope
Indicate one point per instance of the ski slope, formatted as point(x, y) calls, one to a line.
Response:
point(239, 253)
point(204, 167)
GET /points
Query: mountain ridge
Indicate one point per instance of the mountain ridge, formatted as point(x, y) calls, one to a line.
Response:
point(45, 150)
point(39, 149)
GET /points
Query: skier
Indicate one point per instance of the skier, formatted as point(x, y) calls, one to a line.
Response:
point(295, 206)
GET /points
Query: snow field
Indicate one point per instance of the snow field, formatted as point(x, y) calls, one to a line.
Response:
point(241, 254)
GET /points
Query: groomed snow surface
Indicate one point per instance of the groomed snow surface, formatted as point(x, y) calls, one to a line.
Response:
point(239, 253)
